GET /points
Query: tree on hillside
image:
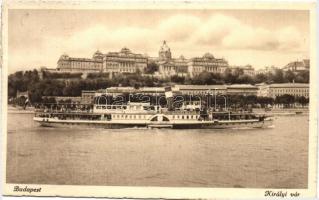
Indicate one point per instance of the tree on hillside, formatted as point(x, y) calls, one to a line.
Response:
point(177, 79)
point(245, 79)
point(277, 76)
point(206, 78)
point(228, 76)
point(289, 76)
point(261, 78)
point(302, 77)
point(151, 68)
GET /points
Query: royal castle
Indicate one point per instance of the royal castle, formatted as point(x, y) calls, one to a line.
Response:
point(126, 61)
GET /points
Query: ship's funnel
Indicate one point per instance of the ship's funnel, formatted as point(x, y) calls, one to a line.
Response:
point(169, 97)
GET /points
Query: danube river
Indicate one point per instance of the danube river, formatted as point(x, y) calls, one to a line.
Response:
point(252, 158)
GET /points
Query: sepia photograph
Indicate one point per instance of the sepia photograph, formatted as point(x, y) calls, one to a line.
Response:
point(159, 96)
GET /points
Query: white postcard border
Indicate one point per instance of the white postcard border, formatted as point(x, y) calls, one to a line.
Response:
point(164, 192)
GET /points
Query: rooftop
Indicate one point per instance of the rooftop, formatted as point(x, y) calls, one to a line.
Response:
point(242, 86)
point(201, 87)
point(289, 85)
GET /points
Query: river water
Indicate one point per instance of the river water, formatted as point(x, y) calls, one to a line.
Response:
point(252, 158)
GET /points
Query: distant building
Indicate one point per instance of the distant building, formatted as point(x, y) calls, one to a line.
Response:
point(181, 66)
point(201, 89)
point(207, 63)
point(70, 64)
point(247, 69)
point(113, 62)
point(274, 90)
point(169, 66)
point(115, 91)
point(124, 62)
point(173, 67)
point(242, 89)
point(266, 70)
point(298, 66)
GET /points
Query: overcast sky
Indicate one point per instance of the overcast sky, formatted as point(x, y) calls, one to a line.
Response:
point(257, 37)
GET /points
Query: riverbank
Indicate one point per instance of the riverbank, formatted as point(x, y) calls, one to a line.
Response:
point(283, 111)
point(276, 111)
point(20, 110)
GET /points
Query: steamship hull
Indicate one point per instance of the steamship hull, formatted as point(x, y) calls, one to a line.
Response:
point(51, 122)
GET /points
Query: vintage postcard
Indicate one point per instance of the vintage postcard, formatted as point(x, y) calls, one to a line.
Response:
point(177, 100)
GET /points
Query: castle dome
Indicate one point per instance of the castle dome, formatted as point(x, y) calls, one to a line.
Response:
point(164, 47)
point(98, 52)
point(97, 55)
point(208, 56)
point(165, 52)
point(64, 56)
point(125, 50)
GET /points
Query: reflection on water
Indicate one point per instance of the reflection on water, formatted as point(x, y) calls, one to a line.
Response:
point(272, 157)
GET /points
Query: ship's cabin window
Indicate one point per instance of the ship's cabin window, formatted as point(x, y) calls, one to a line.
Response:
point(108, 117)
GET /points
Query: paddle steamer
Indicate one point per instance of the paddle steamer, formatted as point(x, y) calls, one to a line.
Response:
point(145, 115)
